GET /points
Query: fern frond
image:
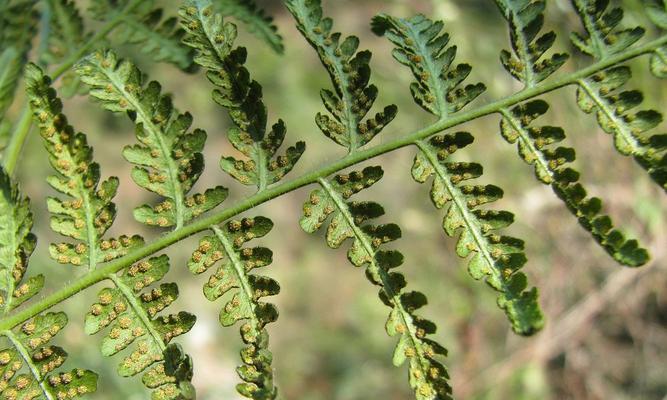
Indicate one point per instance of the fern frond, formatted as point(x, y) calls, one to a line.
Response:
point(27, 366)
point(602, 94)
point(158, 37)
point(496, 258)
point(233, 276)
point(256, 20)
point(86, 218)
point(422, 46)
point(67, 34)
point(16, 245)
point(88, 212)
point(18, 22)
point(550, 168)
point(168, 161)
point(350, 73)
point(603, 38)
point(527, 65)
point(241, 96)
point(130, 309)
point(428, 377)
point(657, 13)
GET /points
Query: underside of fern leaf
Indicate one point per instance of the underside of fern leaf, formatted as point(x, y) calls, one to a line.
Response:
point(88, 212)
point(28, 366)
point(427, 376)
point(16, 245)
point(212, 39)
point(28, 363)
point(234, 277)
point(354, 97)
point(130, 309)
point(127, 308)
point(168, 161)
point(495, 258)
point(422, 47)
point(349, 70)
point(529, 64)
point(601, 94)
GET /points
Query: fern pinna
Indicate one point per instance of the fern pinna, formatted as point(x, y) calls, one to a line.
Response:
point(168, 161)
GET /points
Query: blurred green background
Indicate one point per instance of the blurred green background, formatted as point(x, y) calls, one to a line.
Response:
point(606, 335)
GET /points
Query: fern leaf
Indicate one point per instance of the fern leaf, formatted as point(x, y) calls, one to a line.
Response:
point(88, 212)
point(423, 47)
point(657, 13)
point(601, 94)
point(86, 218)
point(350, 73)
point(550, 167)
point(66, 35)
point(256, 20)
point(527, 65)
point(233, 276)
point(427, 375)
point(242, 97)
point(168, 161)
point(602, 37)
point(158, 37)
point(16, 245)
point(18, 21)
point(28, 365)
point(130, 309)
point(495, 258)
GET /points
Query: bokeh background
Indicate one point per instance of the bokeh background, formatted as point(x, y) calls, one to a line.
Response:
point(606, 335)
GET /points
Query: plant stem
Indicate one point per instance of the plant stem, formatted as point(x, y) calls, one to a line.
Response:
point(16, 140)
point(312, 177)
point(20, 134)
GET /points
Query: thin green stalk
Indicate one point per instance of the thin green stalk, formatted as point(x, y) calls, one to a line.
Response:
point(16, 140)
point(312, 177)
point(22, 130)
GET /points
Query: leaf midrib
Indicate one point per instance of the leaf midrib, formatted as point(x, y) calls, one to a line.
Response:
point(468, 218)
point(386, 286)
point(164, 150)
point(28, 360)
point(239, 270)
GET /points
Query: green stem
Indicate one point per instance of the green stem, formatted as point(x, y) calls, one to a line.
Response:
point(312, 177)
point(18, 137)
point(20, 134)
